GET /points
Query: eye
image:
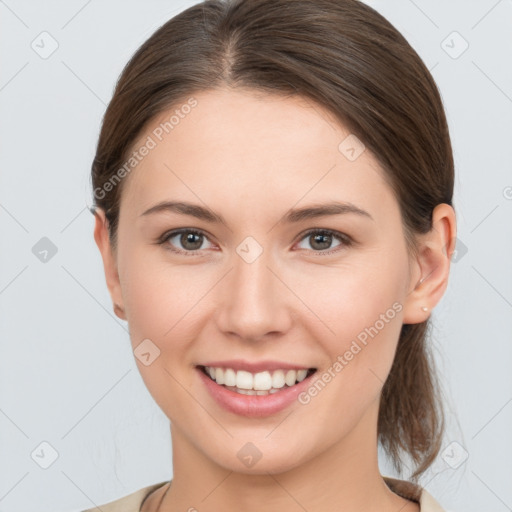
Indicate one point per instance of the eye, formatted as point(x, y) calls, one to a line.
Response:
point(321, 239)
point(190, 239)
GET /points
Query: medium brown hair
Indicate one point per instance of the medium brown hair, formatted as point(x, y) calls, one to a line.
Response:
point(346, 57)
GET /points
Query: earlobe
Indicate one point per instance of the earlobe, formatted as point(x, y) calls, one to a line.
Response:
point(101, 236)
point(432, 264)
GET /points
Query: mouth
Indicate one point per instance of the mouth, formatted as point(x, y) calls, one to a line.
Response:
point(262, 383)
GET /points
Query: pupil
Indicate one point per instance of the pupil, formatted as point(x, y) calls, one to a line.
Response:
point(189, 238)
point(321, 236)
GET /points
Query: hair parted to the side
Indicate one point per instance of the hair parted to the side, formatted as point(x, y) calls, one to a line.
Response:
point(346, 57)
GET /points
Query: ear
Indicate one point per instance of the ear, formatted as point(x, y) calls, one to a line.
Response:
point(431, 266)
point(109, 261)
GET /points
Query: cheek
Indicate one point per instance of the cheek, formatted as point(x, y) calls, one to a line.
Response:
point(349, 298)
point(160, 302)
point(155, 293)
point(166, 304)
point(367, 327)
point(362, 307)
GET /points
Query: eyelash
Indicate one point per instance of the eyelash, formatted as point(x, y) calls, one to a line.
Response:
point(342, 237)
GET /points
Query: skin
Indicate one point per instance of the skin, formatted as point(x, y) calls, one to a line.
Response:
point(252, 157)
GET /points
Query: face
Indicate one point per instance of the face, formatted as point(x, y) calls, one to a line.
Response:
point(257, 282)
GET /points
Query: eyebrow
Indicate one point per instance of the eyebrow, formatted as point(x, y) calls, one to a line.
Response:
point(292, 216)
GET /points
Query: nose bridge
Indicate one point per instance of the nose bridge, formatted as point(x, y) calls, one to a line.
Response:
point(252, 280)
point(252, 304)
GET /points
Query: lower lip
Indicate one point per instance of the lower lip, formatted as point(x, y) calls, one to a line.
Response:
point(253, 406)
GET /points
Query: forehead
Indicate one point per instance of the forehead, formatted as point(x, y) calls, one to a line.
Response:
point(245, 120)
point(255, 144)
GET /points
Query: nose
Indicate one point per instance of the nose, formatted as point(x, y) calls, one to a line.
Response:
point(253, 302)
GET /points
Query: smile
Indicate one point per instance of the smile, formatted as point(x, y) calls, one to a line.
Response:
point(261, 383)
point(256, 394)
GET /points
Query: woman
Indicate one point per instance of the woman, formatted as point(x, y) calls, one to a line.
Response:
point(301, 148)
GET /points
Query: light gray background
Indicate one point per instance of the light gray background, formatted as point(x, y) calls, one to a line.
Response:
point(67, 374)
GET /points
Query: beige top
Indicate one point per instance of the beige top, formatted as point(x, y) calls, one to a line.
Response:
point(133, 502)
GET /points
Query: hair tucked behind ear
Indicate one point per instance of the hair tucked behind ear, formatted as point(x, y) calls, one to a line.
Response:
point(344, 56)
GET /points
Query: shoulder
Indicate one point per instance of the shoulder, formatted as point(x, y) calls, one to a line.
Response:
point(129, 503)
point(414, 492)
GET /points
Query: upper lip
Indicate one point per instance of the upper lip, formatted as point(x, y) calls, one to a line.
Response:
point(255, 366)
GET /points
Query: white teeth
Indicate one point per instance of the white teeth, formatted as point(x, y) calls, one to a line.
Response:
point(261, 383)
point(301, 375)
point(252, 391)
point(219, 375)
point(278, 379)
point(229, 377)
point(244, 380)
point(290, 377)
